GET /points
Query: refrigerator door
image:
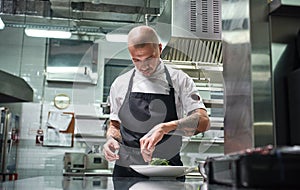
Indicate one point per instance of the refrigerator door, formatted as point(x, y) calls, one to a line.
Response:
point(9, 138)
point(12, 140)
point(3, 121)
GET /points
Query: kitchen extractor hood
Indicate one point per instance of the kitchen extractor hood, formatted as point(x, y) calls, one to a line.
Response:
point(191, 30)
point(83, 18)
point(14, 89)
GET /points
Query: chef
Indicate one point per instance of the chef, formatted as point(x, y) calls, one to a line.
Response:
point(152, 107)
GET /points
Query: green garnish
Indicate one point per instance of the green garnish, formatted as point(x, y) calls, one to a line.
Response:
point(159, 161)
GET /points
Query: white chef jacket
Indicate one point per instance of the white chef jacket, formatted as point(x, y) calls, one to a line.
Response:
point(184, 87)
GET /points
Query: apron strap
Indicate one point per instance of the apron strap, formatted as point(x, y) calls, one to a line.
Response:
point(168, 77)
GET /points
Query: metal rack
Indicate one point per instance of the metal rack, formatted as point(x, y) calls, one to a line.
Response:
point(208, 79)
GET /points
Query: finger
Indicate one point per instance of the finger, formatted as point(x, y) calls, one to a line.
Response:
point(143, 144)
point(146, 151)
point(150, 146)
point(107, 156)
point(109, 153)
point(111, 157)
point(147, 143)
point(116, 145)
point(112, 147)
point(146, 156)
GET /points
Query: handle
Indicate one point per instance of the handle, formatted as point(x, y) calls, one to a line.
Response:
point(201, 167)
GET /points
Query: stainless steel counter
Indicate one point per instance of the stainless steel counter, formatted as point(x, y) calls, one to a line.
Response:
point(100, 182)
point(108, 183)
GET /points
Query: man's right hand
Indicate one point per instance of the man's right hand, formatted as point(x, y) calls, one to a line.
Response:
point(111, 149)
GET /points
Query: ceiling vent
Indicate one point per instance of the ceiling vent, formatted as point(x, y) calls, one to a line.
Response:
point(202, 18)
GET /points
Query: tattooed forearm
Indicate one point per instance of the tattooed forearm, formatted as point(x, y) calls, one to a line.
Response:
point(187, 126)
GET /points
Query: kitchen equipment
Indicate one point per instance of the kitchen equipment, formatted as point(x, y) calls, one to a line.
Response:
point(95, 161)
point(259, 167)
point(74, 161)
point(9, 139)
point(77, 162)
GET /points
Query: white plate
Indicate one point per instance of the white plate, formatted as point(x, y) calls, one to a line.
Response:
point(162, 171)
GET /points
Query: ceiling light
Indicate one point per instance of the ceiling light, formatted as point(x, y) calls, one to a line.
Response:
point(2, 25)
point(116, 37)
point(47, 33)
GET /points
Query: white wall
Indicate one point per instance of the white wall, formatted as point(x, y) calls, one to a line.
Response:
point(25, 57)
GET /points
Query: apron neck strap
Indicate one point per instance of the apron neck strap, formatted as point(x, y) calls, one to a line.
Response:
point(168, 77)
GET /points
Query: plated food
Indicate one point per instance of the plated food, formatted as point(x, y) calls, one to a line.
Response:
point(159, 167)
point(159, 162)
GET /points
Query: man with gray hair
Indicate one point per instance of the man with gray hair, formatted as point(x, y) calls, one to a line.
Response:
point(152, 107)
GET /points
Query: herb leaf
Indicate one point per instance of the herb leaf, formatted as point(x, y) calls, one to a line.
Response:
point(159, 161)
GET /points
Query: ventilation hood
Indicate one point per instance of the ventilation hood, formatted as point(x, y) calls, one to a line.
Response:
point(84, 18)
point(190, 30)
point(14, 89)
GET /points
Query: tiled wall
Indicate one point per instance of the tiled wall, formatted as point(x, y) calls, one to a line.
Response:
point(25, 57)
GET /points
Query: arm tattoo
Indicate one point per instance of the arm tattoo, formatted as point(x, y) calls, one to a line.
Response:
point(187, 126)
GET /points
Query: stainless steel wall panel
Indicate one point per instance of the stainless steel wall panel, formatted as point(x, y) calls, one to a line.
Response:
point(246, 70)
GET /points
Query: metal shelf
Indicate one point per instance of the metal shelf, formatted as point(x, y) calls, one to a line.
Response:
point(92, 117)
point(216, 103)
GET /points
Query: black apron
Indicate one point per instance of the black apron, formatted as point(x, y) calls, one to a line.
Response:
point(139, 113)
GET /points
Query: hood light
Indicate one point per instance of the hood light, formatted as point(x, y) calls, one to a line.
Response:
point(44, 33)
point(116, 37)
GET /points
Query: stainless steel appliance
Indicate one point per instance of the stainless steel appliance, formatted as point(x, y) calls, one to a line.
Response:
point(95, 161)
point(75, 162)
point(9, 139)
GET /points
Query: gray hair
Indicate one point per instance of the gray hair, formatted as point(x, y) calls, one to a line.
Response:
point(141, 35)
